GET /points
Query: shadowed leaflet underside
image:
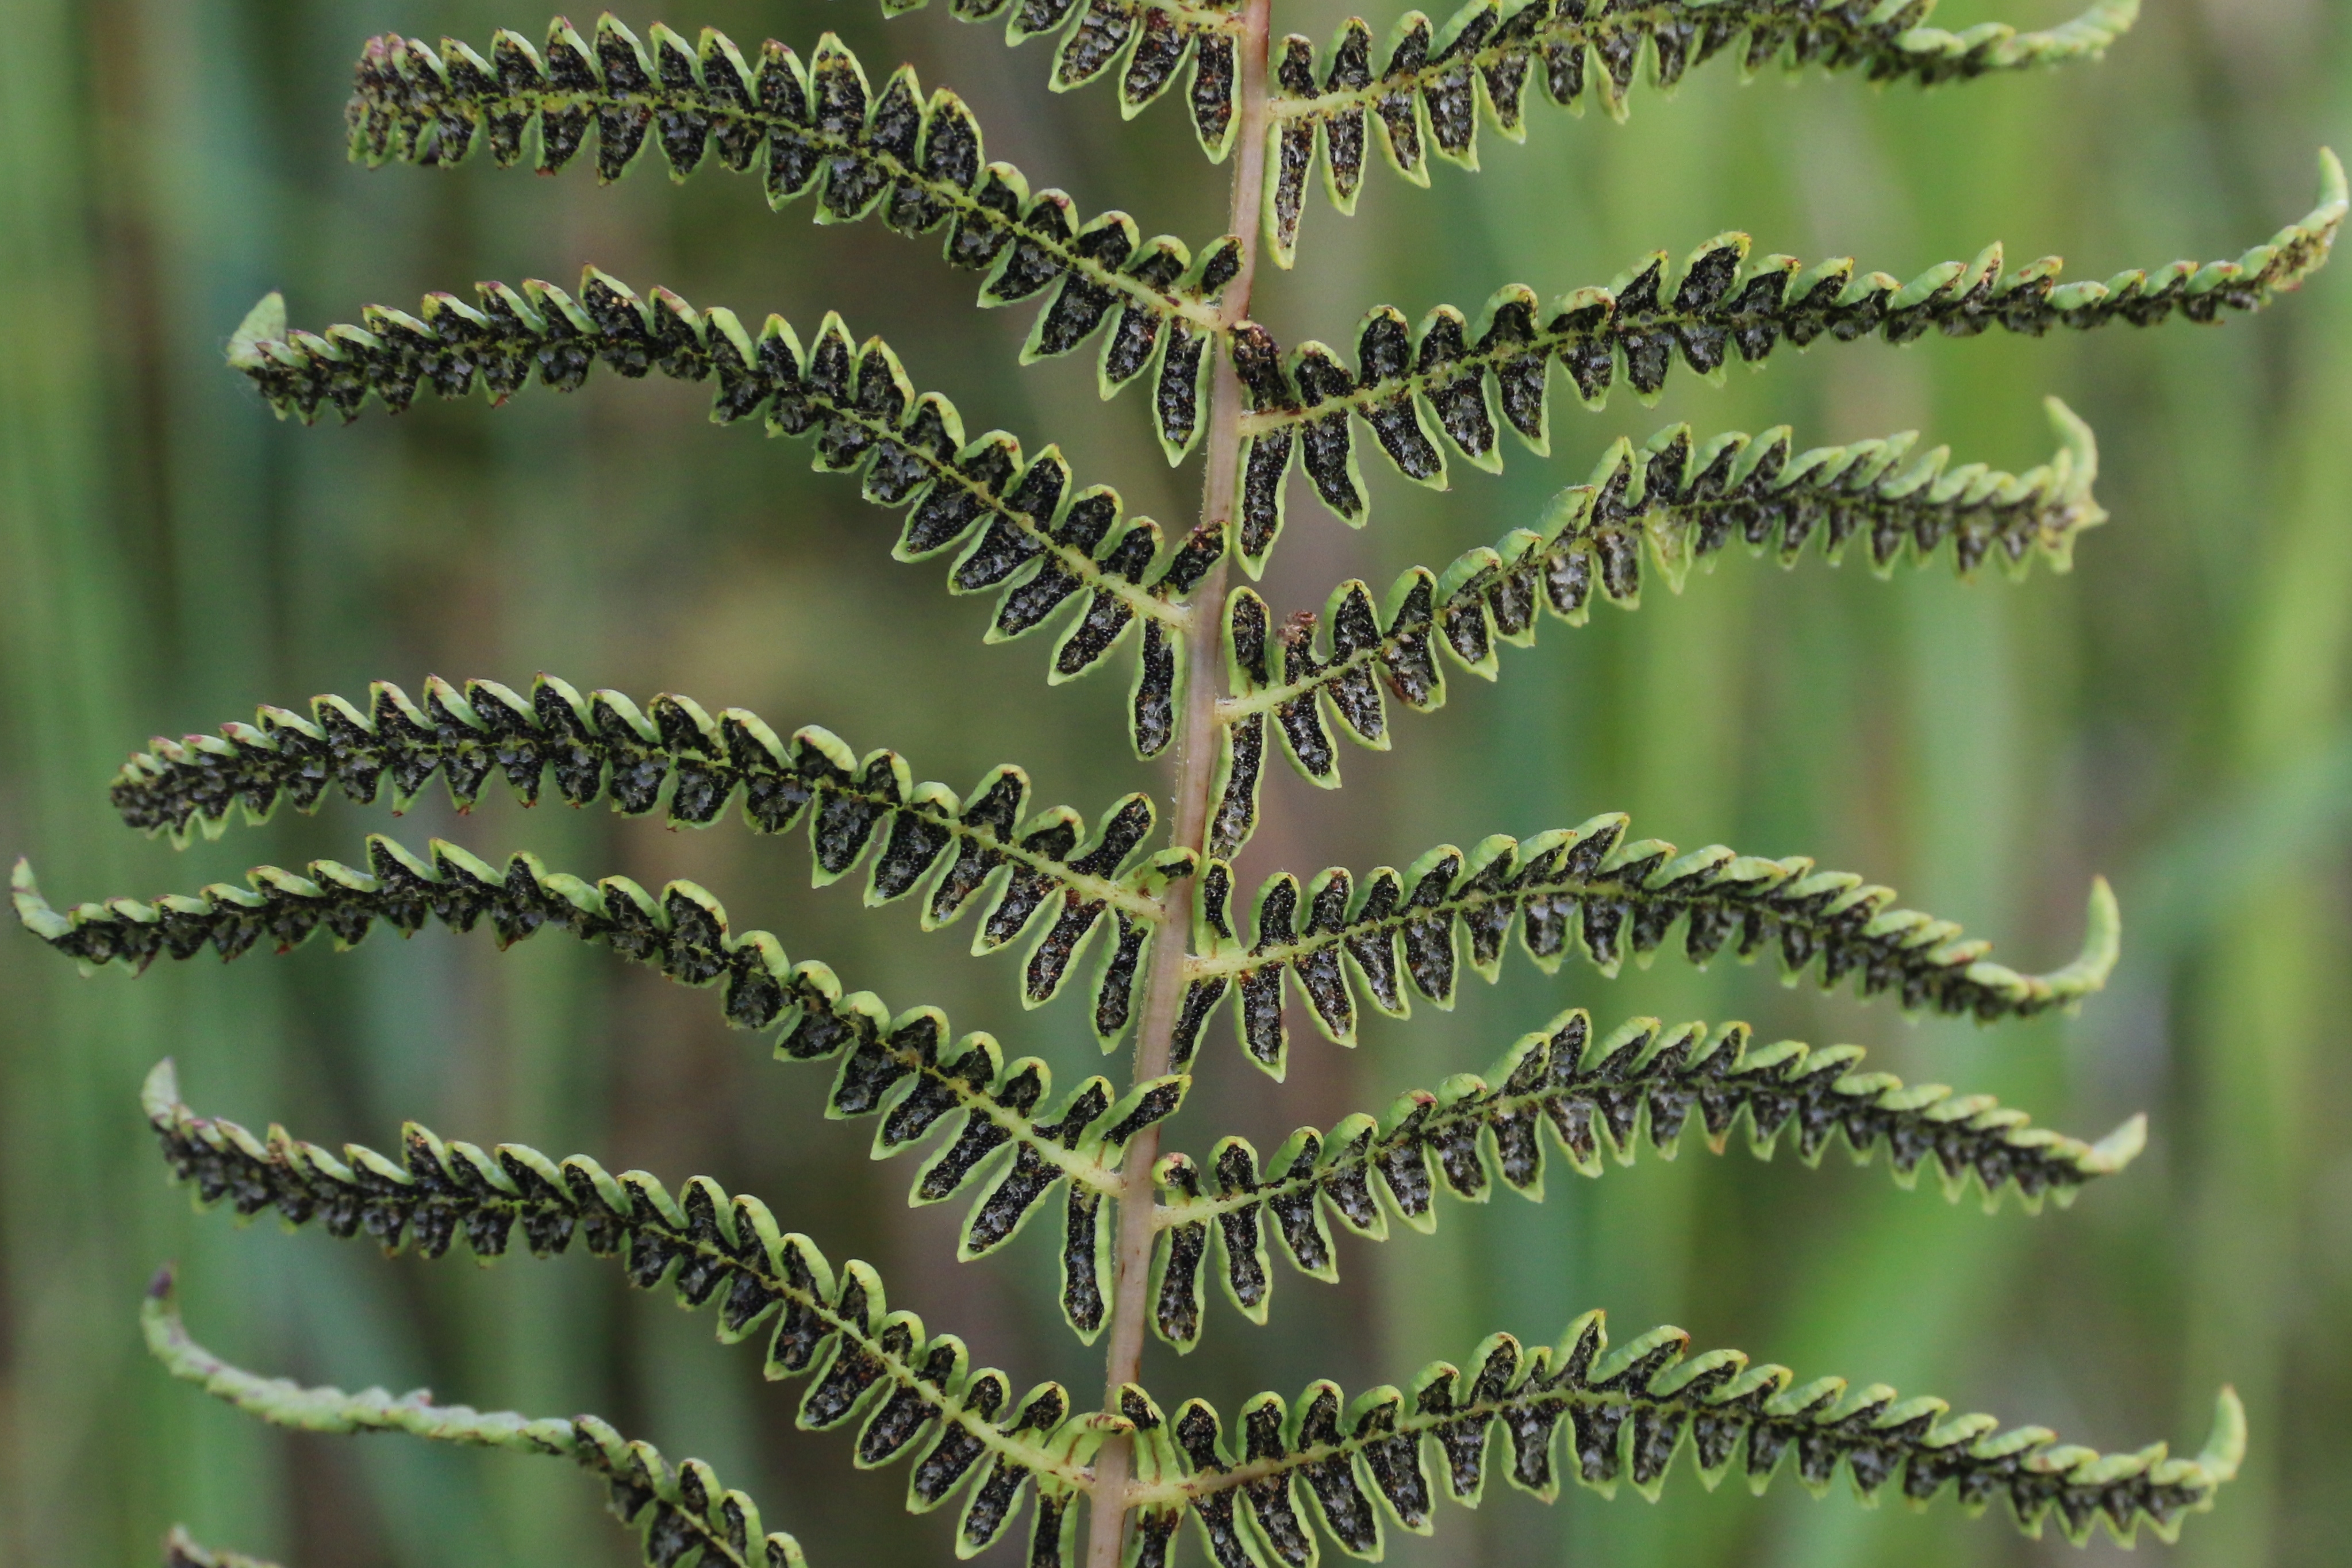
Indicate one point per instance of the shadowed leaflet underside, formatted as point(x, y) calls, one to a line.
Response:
point(1138, 901)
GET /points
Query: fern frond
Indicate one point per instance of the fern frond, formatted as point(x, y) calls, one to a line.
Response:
point(683, 931)
point(1437, 83)
point(1147, 41)
point(678, 760)
point(922, 839)
point(1629, 1413)
point(1590, 888)
point(1024, 525)
point(1459, 377)
point(917, 1394)
point(899, 1066)
point(1687, 502)
point(676, 1510)
point(915, 160)
point(181, 1549)
point(1594, 1095)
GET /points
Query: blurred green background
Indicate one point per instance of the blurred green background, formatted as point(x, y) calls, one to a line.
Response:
point(2174, 714)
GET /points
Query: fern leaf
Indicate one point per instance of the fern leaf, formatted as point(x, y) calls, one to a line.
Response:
point(183, 1551)
point(1686, 501)
point(1148, 42)
point(921, 837)
point(675, 1510)
point(1591, 887)
point(1596, 1095)
point(1436, 83)
point(1458, 377)
point(677, 760)
point(1584, 885)
point(917, 1394)
point(916, 161)
point(1025, 526)
point(901, 1068)
point(1629, 1412)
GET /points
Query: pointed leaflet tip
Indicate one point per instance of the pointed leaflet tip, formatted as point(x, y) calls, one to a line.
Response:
point(160, 1092)
point(2081, 450)
point(2102, 945)
point(32, 909)
point(2118, 1148)
point(2333, 195)
point(2097, 28)
point(2225, 1450)
point(266, 324)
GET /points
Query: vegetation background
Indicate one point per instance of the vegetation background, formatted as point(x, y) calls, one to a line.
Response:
point(2174, 713)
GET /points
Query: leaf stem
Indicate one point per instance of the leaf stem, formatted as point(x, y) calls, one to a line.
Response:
point(1195, 763)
